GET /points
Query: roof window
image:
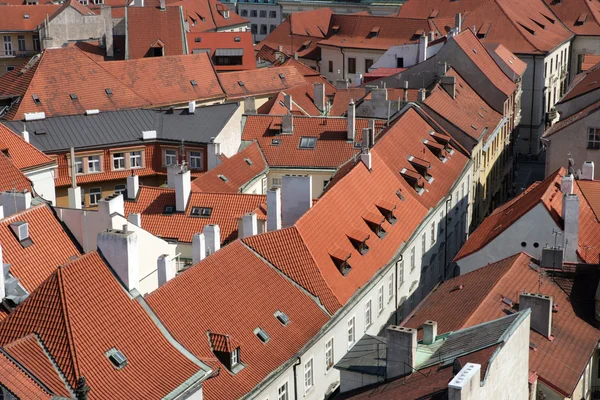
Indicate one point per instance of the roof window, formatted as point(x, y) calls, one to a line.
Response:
point(241, 83)
point(359, 241)
point(308, 142)
point(374, 32)
point(21, 231)
point(387, 210)
point(340, 259)
point(117, 358)
point(414, 179)
point(507, 301)
point(281, 76)
point(36, 99)
point(197, 39)
point(223, 178)
point(26, 16)
point(335, 28)
point(193, 82)
point(108, 92)
point(237, 39)
point(73, 96)
point(581, 19)
point(538, 23)
point(40, 131)
point(422, 167)
point(282, 317)
point(531, 31)
point(275, 142)
point(262, 335)
point(201, 212)
point(375, 223)
point(168, 210)
point(248, 161)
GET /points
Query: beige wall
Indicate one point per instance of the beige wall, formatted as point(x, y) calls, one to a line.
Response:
point(318, 178)
point(18, 57)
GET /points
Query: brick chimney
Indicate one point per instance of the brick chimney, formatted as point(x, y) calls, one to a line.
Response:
point(466, 385)
point(274, 209)
point(351, 135)
point(133, 187)
point(319, 96)
point(166, 269)
point(198, 248)
point(448, 83)
point(121, 250)
point(296, 198)
point(401, 351)
point(541, 311)
point(212, 233)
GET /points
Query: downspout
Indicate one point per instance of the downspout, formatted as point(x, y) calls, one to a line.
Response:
point(448, 200)
point(295, 379)
point(396, 322)
point(343, 64)
point(531, 117)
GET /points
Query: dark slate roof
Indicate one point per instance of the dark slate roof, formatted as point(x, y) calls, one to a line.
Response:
point(126, 126)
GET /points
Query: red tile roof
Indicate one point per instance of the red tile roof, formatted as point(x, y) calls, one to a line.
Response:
point(11, 178)
point(225, 40)
point(276, 106)
point(33, 264)
point(580, 16)
point(80, 8)
point(30, 353)
point(236, 169)
point(355, 31)
point(223, 343)
point(331, 149)
point(19, 382)
point(583, 83)
point(227, 208)
point(59, 73)
point(260, 82)
point(78, 326)
point(590, 61)
point(22, 154)
point(166, 80)
point(513, 62)
point(146, 25)
point(249, 292)
point(589, 221)
point(571, 119)
point(560, 362)
point(207, 15)
point(342, 99)
point(381, 73)
point(12, 17)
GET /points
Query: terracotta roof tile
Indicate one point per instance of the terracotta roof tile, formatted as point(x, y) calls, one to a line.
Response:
point(571, 119)
point(589, 221)
point(18, 381)
point(11, 177)
point(227, 208)
point(559, 362)
point(224, 40)
point(22, 154)
point(223, 343)
point(583, 83)
point(276, 106)
point(570, 15)
point(590, 61)
point(146, 25)
point(78, 339)
point(342, 99)
point(207, 15)
point(513, 62)
point(249, 292)
point(259, 82)
point(12, 17)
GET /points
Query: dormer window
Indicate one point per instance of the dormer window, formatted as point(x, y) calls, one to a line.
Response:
point(436, 149)
point(340, 259)
point(235, 357)
point(422, 167)
point(414, 179)
point(375, 223)
point(444, 140)
point(359, 241)
point(374, 32)
point(168, 210)
point(227, 351)
point(21, 231)
point(387, 210)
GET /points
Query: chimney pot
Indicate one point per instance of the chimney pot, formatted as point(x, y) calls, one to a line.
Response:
point(250, 225)
point(192, 104)
point(422, 95)
point(422, 49)
point(541, 311)
point(587, 171)
point(351, 135)
point(566, 184)
point(458, 22)
point(274, 209)
point(429, 332)
point(198, 248)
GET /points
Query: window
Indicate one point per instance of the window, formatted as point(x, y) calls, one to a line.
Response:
point(93, 164)
point(282, 392)
point(78, 165)
point(196, 160)
point(253, 29)
point(594, 138)
point(235, 357)
point(276, 182)
point(135, 159)
point(351, 332)
point(8, 46)
point(95, 196)
point(308, 142)
point(368, 316)
point(9, 68)
point(351, 65)
point(263, 29)
point(120, 189)
point(368, 64)
point(244, 13)
point(170, 157)
point(325, 183)
point(433, 232)
point(330, 66)
point(272, 14)
point(119, 161)
point(263, 13)
point(423, 244)
point(400, 273)
point(21, 40)
point(390, 288)
point(400, 62)
point(412, 259)
point(253, 13)
point(308, 375)
point(329, 354)
point(36, 43)
point(272, 28)
point(380, 300)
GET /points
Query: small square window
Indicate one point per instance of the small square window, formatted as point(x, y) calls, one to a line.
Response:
point(73, 96)
point(308, 142)
point(169, 210)
point(275, 142)
point(95, 196)
point(193, 82)
point(201, 212)
point(108, 91)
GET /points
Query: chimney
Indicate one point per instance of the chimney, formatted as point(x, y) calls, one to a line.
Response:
point(379, 97)
point(112, 204)
point(249, 106)
point(570, 214)
point(287, 123)
point(198, 248)
point(163, 5)
point(458, 22)
point(191, 105)
point(422, 95)
point(74, 194)
point(138, 3)
point(372, 130)
point(249, 225)
point(449, 85)
point(296, 55)
point(212, 233)
point(431, 36)
point(401, 351)
point(341, 84)
point(133, 187)
point(172, 171)
point(541, 312)
point(365, 157)
point(566, 185)
point(25, 134)
point(319, 96)
point(165, 269)
point(106, 14)
point(1, 215)
point(287, 101)
point(365, 139)
point(135, 219)
point(296, 198)
point(442, 68)
point(466, 385)
point(587, 171)
point(280, 48)
point(358, 79)
point(405, 94)
point(274, 209)
point(429, 332)
point(183, 187)
point(351, 135)
point(422, 49)
point(121, 250)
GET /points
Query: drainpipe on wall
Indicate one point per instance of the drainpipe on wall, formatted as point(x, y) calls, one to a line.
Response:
point(448, 200)
point(295, 379)
point(343, 63)
point(396, 322)
point(531, 117)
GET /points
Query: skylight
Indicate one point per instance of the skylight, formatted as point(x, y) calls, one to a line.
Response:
point(275, 142)
point(108, 91)
point(241, 83)
point(117, 358)
point(237, 39)
point(201, 212)
point(282, 317)
point(248, 161)
point(281, 76)
point(73, 96)
point(223, 178)
point(262, 335)
point(308, 142)
point(36, 99)
point(169, 210)
point(197, 39)
point(193, 82)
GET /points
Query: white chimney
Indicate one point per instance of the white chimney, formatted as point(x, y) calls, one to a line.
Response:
point(458, 22)
point(121, 251)
point(401, 351)
point(296, 198)
point(135, 219)
point(405, 94)
point(172, 171)
point(20, 229)
point(274, 209)
point(74, 194)
point(25, 135)
point(249, 106)
point(319, 96)
point(166, 269)
point(113, 204)
point(351, 135)
point(287, 101)
point(148, 135)
point(429, 332)
point(570, 214)
point(250, 225)
point(566, 184)
point(212, 233)
point(431, 36)
point(1, 214)
point(191, 106)
point(133, 187)
point(422, 95)
point(541, 311)
point(198, 248)
point(366, 159)
point(466, 385)
point(422, 49)
point(287, 123)
point(163, 5)
point(183, 187)
point(2, 277)
point(587, 171)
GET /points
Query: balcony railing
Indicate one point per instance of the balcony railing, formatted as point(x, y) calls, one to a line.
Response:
point(17, 53)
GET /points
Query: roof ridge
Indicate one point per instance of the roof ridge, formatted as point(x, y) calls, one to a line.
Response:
point(64, 309)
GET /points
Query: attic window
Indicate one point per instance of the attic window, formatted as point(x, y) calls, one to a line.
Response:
point(508, 301)
point(21, 231)
point(36, 99)
point(281, 76)
point(387, 210)
point(335, 28)
point(308, 142)
point(422, 167)
point(117, 358)
point(193, 82)
point(73, 96)
point(26, 16)
point(237, 39)
point(201, 212)
point(359, 241)
point(538, 23)
point(414, 179)
point(275, 142)
point(248, 161)
point(168, 210)
point(340, 259)
point(374, 32)
point(40, 131)
point(434, 14)
point(375, 223)
point(108, 92)
point(306, 44)
point(282, 317)
point(531, 31)
point(357, 145)
point(197, 39)
point(581, 19)
point(262, 335)
point(241, 83)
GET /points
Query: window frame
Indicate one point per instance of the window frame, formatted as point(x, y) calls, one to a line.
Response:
point(368, 314)
point(351, 330)
point(118, 159)
point(330, 344)
point(167, 156)
point(92, 192)
point(135, 155)
point(593, 142)
point(309, 375)
point(352, 65)
point(235, 357)
point(380, 304)
point(390, 287)
point(400, 272)
point(94, 160)
point(413, 257)
point(283, 395)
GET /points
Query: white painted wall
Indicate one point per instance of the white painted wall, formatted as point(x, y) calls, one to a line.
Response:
point(582, 45)
point(230, 137)
point(340, 61)
point(409, 52)
point(43, 183)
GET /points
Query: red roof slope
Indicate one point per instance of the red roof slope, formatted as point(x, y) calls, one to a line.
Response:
point(12, 18)
point(227, 208)
point(259, 82)
point(584, 83)
point(11, 178)
point(167, 80)
point(580, 16)
point(58, 74)
point(589, 222)
point(33, 264)
point(560, 362)
point(19, 382)
point(147, 25)
point(208, 15)
point(249, 292)
point(23, 155)
point(590, 61)
point(331, 149)
point(80, 312)
point(513, 62)
point(571, 119)
point(236, 169)
point(224, 40)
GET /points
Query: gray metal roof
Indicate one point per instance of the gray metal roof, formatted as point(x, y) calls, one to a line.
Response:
point(125, 127)
point(229, 52)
